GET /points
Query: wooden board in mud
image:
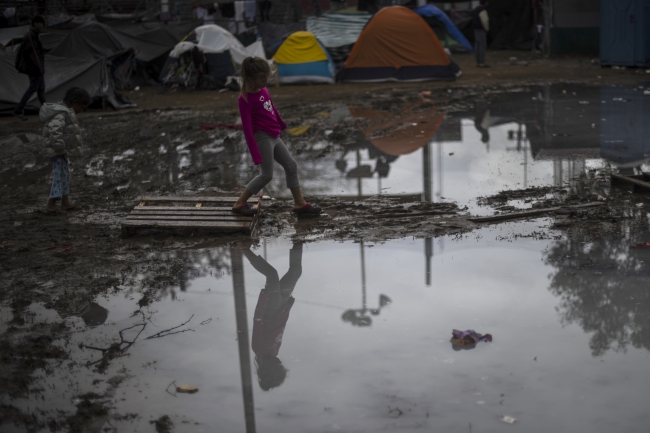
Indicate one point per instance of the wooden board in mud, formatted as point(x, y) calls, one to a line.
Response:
point(189, 213)
point(640, 184)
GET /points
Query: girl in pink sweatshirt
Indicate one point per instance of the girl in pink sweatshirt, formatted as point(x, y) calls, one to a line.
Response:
point(262, 125)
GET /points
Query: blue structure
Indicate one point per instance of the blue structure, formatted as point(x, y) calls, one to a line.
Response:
point(625, 32)
point(623, 135)
point(431, 11)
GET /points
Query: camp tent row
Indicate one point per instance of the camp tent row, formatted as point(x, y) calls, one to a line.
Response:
point(396, 44)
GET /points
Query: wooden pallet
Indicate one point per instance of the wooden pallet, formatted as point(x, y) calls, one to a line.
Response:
point(640, 184)
point(191, 213)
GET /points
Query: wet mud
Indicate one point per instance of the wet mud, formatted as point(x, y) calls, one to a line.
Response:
point(57, 267)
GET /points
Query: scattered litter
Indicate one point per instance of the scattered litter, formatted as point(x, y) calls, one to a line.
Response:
point(162, 134)
point(137, 88)
point(468, 338)
point(641, 245)
point(328, 131)
point(564, 92)
point(298, 130)
point(18, 224)
point(639, 205)
point(646, 92)
point(211, 126)
point(593, 125)
point(323, 114)
point(601, 198)
point(508, 419)
point(451, 153)
point(189, 389)
point(425, 93)
point(584, 102)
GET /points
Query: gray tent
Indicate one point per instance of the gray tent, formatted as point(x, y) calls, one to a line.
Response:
point(96, 40)
point(60, 74)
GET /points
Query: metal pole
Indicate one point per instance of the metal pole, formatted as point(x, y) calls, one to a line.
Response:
point(548, 22)
point(363, 278)
point(426, 173)
point(239, 291)
point(428, 253)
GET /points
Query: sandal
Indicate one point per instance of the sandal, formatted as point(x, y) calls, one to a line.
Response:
point(308, 209)
point(244, 210)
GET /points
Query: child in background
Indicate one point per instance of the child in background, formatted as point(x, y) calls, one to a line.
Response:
point(262, 125)
point(61, 138)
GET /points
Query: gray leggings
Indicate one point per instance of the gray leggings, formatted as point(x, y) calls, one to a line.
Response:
point(270, 149)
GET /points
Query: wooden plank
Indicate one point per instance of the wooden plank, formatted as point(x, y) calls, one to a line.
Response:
point(182, 212)
point(198, 199)
point(189, 218)
point(412, 214)
point(184, 208)
point(225, 226)
point(514, 215)
point(617, 179)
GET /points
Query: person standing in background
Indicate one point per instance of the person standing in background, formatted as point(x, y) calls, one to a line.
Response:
point(30, 61)
point(481, 25)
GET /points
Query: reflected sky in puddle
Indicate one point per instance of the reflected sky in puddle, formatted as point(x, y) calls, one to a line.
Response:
point(366, 342)
point(548, 136)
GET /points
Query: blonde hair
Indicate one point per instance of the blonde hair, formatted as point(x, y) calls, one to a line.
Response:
point(255, 74)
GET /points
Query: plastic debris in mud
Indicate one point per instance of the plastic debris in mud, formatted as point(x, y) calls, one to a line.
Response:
point(188, 389)
point(641, 245)
point(211, 126)
point(298, 130)
point(508, 419)
point(467, 339)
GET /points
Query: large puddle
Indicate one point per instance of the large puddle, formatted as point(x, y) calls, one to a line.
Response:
point(355, 338)
point(538, 136)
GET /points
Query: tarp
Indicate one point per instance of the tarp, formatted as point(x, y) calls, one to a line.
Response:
point(214, 39)
point(96, 40)
point(177, 30)
point(302, 59)
point(274, 34)
point(10, 33)
point(434, 12)
point(397, 45)
point(336, 29)
point(60, 74)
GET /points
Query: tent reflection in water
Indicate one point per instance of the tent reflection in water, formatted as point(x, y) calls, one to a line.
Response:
point(397, 45)
point(303, 59)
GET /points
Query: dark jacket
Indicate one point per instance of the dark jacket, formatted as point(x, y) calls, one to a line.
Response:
point(476, 19)
point(30, 59)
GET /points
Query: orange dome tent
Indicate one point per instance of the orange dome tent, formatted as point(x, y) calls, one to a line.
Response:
point(398, 45)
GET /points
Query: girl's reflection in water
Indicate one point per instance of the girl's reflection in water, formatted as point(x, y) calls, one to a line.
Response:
point(271, 315)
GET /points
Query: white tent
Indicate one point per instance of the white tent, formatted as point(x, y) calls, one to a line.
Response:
point(214, 39)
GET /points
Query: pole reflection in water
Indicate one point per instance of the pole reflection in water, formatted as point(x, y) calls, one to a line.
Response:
point(360, 316)
point(239, 291)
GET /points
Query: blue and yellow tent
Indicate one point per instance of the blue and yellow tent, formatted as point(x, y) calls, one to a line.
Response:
point(302, 59)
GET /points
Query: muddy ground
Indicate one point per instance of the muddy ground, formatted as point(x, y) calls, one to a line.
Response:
point(66, 260)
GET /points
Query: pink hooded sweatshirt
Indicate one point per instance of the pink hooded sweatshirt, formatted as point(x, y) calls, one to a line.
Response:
point(259, 114)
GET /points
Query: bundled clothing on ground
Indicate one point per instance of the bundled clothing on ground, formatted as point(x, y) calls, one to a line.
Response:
point(61, 138)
